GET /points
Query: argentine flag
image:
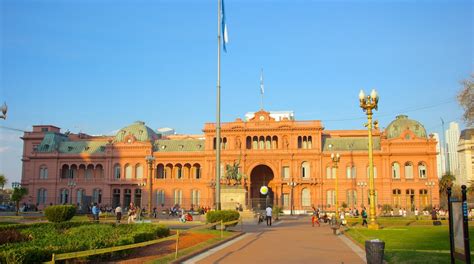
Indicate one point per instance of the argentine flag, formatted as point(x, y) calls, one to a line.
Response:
point(262, 91)
point(225, 37)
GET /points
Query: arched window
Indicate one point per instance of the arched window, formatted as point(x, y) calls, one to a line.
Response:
point(64, 196)
point(305, 170)
point(80, 196)
point(310, 142)
point(73, 171)
point(65, 171)
point(128, 172)
point(268, 142)
point(261, 142)
point(179, 171)
point(300, 142)
point(351, 172)
point(43, 172)
point(195, 197)
point(397, 198)
point(139, 171)
point(248, 142)
point(160, 171)
point(375, 172)
point(408, 170)
point(274, 142)
point(97, 196)
point(99, 171)
point(305, 142)
point(168, 171)
point(224, 143)
point(423, 198)
point(255, 142)
point(351, 198)
point(178, 197)
point(422, 170)
point(330, 197)
point(395, 170)
point(89, 171)
point(305, 197)
point(42, 195)
point(197, 171)
point(214, 144)
point(117, 171)
point(328, 172)
point(160, 197)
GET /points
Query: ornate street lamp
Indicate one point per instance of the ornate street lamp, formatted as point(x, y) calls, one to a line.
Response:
point(16, 185)
point(292, 184)
point(141, 185)
point(4, 110)
point(430, 184)
point(335, 160)
point(369, 103)
point(362, 185)
point(150, 160)
point(71, 184)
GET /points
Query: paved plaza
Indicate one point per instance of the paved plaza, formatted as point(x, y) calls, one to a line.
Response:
point(292, 240)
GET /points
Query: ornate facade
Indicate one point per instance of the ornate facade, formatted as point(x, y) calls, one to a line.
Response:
point(291, 157)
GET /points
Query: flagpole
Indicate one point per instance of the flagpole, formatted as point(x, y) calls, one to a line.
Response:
point(218, 117)
point(261, 89)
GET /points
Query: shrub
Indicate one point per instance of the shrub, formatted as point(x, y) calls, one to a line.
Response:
point(11, 236)
point(59, 213)
point(48, 238)
point(224, 215)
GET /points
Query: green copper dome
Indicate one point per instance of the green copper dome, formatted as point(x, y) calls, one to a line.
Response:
point(402, 123)
point(137, 131)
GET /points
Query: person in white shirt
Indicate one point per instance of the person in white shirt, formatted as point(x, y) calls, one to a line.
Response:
point(118, 213)
point(268, 213)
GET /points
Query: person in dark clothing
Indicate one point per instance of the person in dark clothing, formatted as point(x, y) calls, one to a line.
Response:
point(364, 217)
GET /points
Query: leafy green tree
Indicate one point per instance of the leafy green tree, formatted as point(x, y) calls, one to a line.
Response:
point(466, 99)
point(446, 181)
point(3, 180)
point(17, 195)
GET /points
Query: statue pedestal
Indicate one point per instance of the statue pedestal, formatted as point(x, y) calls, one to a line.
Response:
point(232, 196)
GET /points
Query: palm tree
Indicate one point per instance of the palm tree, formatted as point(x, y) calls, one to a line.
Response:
point(3, 180)
point(17, 196)
point(446, 181)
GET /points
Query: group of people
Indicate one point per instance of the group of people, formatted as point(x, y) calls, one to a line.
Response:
point(317, 215)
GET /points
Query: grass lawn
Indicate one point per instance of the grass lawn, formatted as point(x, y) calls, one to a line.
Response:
point(411, 244)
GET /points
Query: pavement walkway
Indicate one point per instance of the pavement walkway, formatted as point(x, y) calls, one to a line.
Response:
point(291, 240)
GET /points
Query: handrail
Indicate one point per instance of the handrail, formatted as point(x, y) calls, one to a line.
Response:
point(91, 252)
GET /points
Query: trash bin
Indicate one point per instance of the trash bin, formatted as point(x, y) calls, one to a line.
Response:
point(374, 251)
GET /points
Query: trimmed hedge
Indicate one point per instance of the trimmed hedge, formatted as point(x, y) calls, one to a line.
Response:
point(60, 213)
point(224, 215)
point(48, 238)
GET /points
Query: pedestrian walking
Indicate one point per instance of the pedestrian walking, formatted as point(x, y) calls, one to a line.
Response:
point(364, 217)
point(315, 217)
point(95, 212)
point(118, 213)
point(131, 213)
point(268, 213)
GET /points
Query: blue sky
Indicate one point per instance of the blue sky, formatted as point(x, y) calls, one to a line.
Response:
point(97, 66)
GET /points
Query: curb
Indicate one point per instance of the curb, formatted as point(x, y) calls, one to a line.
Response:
point(191, 255)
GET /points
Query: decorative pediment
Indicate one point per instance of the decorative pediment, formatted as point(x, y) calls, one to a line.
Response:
point(262, 116)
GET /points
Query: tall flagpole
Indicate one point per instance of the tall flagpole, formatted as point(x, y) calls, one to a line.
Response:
point(261, 89)
point(218, 117)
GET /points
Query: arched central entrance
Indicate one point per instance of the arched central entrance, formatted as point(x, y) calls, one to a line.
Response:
point(261, 175)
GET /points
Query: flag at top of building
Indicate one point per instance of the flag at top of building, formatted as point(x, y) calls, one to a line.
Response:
point(225, 37)
point(262, 91)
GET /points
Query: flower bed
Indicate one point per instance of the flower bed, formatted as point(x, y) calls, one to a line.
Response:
point(45, 239)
